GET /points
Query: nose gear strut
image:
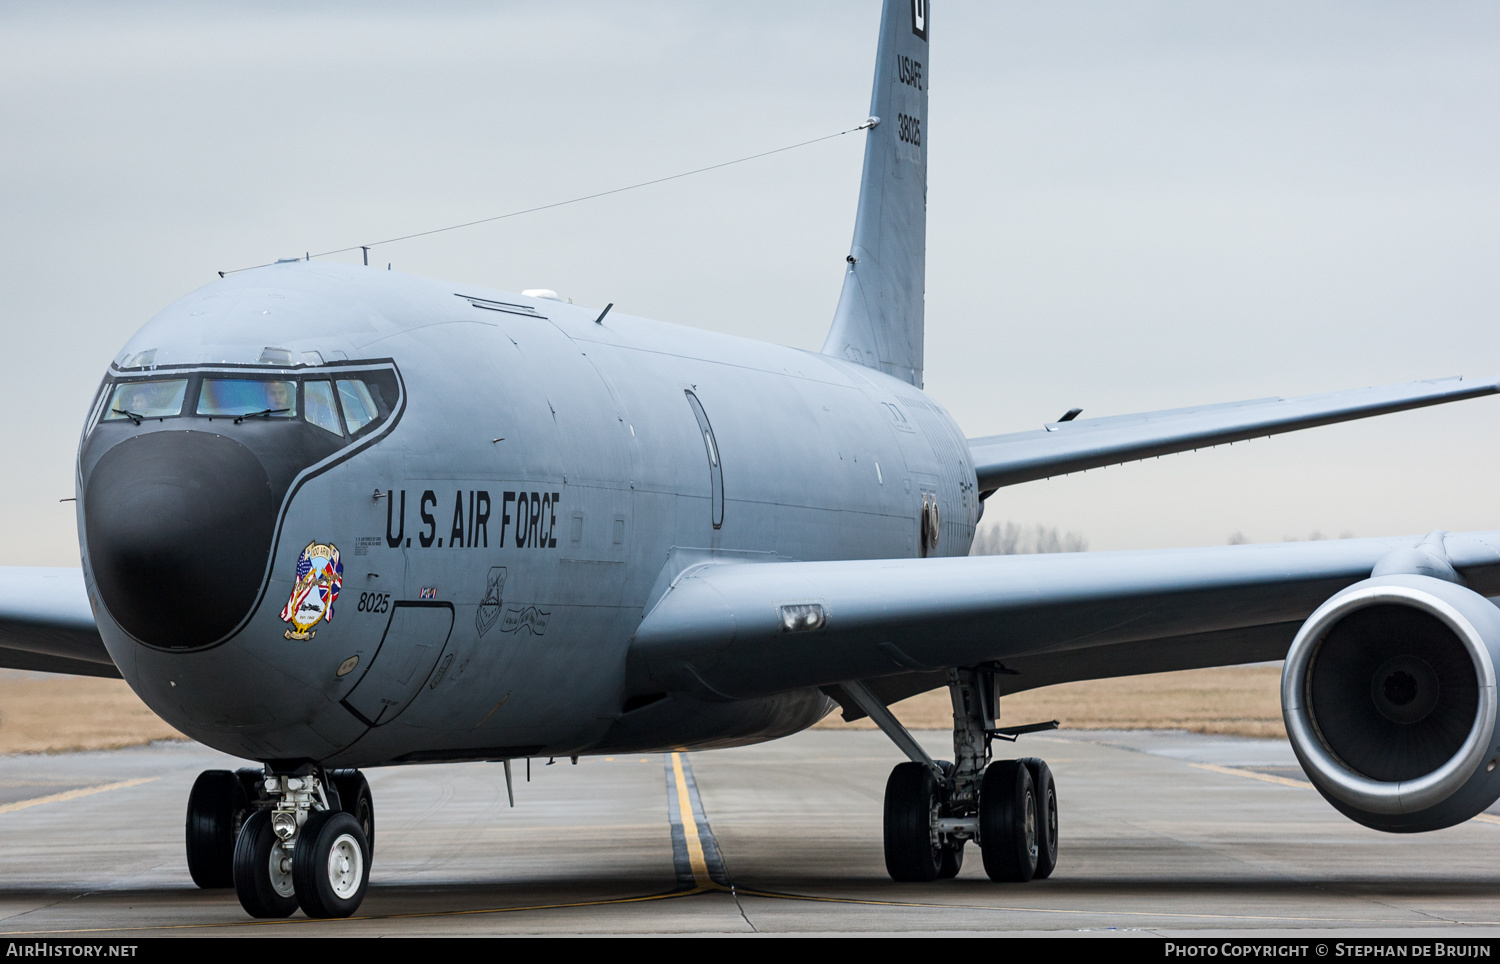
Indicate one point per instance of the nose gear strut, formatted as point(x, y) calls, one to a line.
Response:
point(283, 840)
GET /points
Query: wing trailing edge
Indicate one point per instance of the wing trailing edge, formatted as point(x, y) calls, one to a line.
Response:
point(1089, 443)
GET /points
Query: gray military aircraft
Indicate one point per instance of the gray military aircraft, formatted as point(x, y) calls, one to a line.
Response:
point(334, 517)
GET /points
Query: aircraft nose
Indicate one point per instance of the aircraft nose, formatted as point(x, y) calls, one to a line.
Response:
point(179, 525)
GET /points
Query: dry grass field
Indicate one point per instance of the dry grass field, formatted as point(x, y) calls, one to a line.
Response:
point(40, 713)
point(1237, 700)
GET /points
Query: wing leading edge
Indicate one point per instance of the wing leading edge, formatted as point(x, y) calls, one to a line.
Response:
point(719, 631)
point(1073, 446)
point(46, 624)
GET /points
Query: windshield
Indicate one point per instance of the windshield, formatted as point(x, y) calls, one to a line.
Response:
point(321, 410)
point(153, 399)
point(360, 408)
point(245, 396)
point(346, 405)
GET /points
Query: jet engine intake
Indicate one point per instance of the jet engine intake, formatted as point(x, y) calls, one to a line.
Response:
point(1389, 698)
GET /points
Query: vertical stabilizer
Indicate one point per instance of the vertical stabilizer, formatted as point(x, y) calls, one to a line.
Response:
point(879, 319)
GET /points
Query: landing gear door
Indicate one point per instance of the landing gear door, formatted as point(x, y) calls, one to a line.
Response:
point(414, 639)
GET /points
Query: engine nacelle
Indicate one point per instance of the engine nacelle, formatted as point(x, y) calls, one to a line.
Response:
point(1390, 702)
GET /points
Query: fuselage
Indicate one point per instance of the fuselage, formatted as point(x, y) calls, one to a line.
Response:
point(338, 514)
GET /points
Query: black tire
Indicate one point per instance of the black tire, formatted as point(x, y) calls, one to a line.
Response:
point(1046, 816)
point(911, 795)
point(951, 856)
point(216, 809)
point(355, 800)
point(1007, 822)
point(258, 894)
point(332, 865)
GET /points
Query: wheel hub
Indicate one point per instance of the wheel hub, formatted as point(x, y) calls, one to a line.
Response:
point(345, 866)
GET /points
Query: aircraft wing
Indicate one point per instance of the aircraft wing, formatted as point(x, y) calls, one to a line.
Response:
point(1073, 446)
point(728, 631)
point(46, 624)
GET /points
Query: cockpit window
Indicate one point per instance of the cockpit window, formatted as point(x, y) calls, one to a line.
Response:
point(321, 410)
point(349, 404)
point(359, 405)
point(242, 397)
point(136, 400)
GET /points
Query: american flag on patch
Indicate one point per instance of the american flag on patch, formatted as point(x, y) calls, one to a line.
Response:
point(427, 592)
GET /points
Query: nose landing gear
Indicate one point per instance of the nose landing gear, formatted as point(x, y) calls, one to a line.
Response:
point(263, 869)
point(932, 808)
point(283, 840)
point(218, 807)
point(331, 867)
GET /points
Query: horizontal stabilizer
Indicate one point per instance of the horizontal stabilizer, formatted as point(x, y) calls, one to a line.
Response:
point(1089, 443)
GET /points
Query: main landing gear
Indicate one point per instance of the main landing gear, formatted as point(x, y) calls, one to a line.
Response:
point(932, 808)
point(283, 840)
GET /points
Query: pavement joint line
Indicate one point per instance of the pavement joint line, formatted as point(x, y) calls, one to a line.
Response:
point(720, 889)
point(640, 899)
point(74, 794)
point(1050, 910)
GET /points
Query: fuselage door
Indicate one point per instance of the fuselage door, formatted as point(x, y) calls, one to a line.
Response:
point(715, 468)
point(414, 639)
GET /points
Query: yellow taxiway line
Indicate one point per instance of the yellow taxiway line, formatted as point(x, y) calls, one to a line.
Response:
point(696, 860)
point(74, 794)
point(1266, 777)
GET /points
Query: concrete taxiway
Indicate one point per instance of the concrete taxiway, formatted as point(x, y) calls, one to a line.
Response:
point(1162, 834)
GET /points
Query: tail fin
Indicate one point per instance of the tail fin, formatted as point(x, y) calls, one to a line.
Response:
point(879, 318)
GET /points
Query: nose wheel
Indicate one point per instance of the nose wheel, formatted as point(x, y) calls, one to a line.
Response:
point(331, 868)
point(263, 870)
point(283, 841)
point(355, 800)
point(217, 808)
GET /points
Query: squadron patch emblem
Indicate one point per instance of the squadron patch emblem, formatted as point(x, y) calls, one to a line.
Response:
point(530, 618)
point(489, 608)
point(320, 576)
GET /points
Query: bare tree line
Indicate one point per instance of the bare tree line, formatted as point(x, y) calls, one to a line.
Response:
point(1011, 539)
point(1238, 538)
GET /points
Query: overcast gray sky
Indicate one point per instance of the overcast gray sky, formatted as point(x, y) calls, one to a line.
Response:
point(1132, 205)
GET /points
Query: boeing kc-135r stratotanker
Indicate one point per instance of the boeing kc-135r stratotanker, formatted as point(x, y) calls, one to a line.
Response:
point(334, 517)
